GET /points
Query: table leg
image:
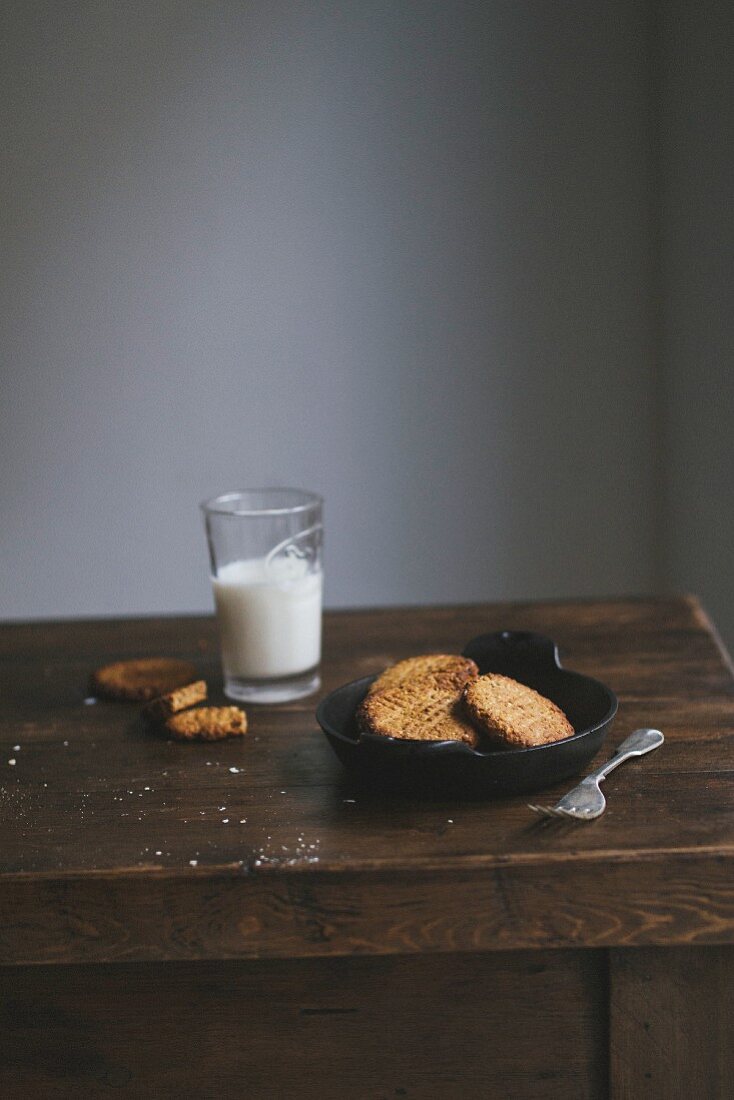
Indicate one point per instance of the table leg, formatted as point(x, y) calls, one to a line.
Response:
point(672, 1023)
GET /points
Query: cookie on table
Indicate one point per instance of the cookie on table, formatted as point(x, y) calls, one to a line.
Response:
point(158, 710)
point(142, 679)
point(424, 708)
point(457, 668)
point(513, 715)
point(207, 724)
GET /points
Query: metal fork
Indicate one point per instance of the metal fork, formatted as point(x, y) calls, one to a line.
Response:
point(586, 800)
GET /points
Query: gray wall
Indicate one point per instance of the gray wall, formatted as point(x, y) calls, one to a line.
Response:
point(696, 57)
point(399, 253)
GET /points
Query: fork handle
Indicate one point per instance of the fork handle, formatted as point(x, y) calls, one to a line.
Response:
point(637, 744)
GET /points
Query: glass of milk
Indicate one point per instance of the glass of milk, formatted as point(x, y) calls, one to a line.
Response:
point(265, 547)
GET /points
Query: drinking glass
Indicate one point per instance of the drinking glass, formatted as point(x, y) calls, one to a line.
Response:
point(265, 548)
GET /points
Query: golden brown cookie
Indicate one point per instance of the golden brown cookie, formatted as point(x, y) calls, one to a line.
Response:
point(142, 679)
point(208, 723)
point(425, 708)
point(460, 669)
point(157, 710)
point(512, 714)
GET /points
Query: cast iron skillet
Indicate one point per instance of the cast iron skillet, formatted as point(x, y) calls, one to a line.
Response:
point(452, 768)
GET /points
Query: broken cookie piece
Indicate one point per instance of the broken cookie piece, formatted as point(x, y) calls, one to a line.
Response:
point(207, 724)
point(158, 710)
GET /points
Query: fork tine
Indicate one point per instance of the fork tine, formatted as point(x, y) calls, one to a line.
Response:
point(547, 812)
point(556, 813)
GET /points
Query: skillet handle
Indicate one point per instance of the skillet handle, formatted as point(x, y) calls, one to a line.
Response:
point(513, 653)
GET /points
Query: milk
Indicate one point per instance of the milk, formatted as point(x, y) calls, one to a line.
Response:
point(269, 617)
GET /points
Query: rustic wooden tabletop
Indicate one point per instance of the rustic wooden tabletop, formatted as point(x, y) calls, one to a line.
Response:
point(242, 919)
point(118, 844)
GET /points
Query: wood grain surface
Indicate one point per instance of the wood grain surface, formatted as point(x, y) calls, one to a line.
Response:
point(118, 844)
point(516, 1024)
point(672, 1023)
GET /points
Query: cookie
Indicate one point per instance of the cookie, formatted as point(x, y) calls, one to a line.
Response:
point(425, 708)
point(460, 669)
point(142, 679)
point(207, 723)
point(174, 701)
point(512, 714)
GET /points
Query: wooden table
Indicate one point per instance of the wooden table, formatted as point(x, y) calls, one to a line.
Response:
point(239, 920)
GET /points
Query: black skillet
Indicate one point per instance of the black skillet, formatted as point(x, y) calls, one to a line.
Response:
point(451, 768)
